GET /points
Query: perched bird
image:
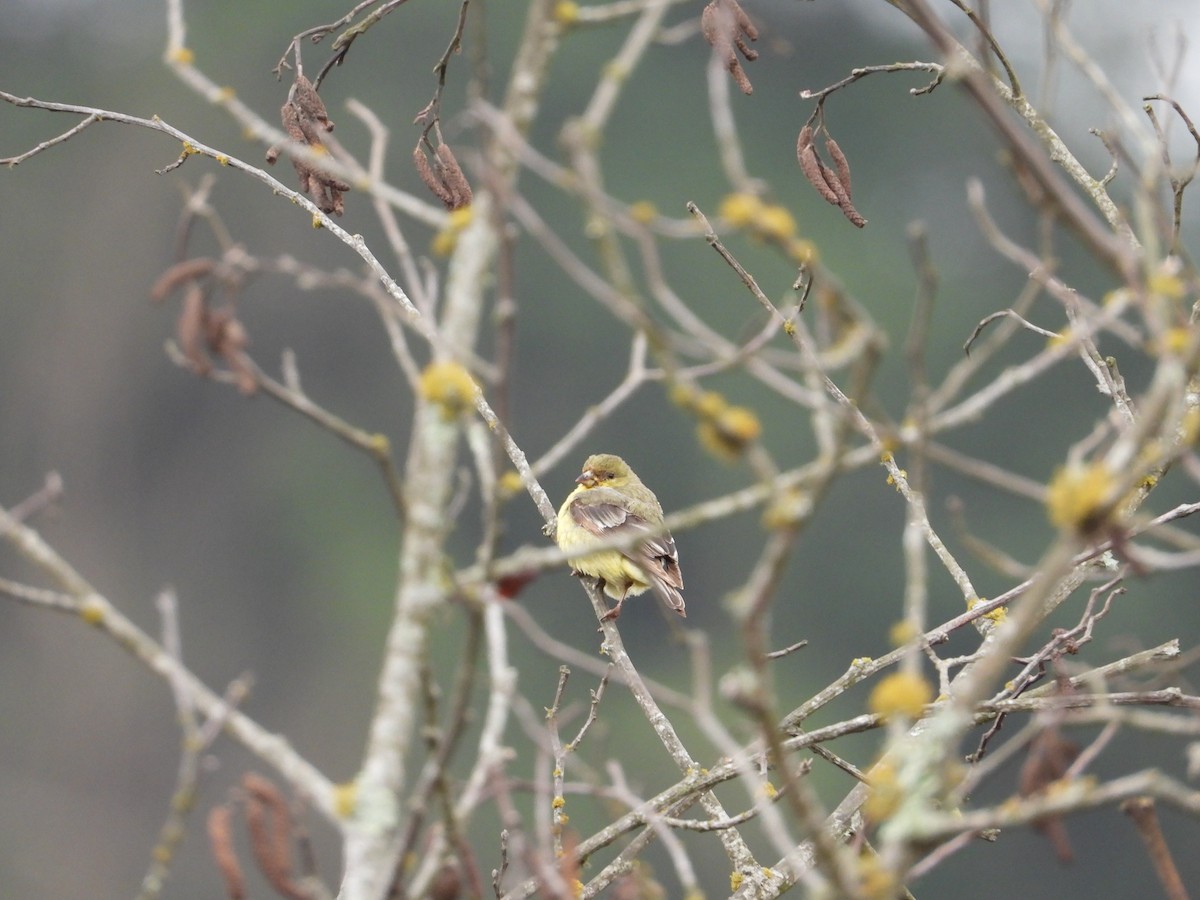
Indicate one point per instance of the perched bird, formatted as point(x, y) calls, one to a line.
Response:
point(611, 503)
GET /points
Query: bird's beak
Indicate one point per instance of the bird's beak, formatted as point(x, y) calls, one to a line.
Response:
point(586, 477)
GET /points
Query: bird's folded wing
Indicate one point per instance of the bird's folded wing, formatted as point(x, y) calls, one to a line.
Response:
point(656, 553)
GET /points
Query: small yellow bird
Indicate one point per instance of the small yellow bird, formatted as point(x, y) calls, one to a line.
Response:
point(609, 503)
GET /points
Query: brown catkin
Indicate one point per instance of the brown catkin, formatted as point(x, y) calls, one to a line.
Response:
point(840, 164)
point(220, 839)
point(425, 171)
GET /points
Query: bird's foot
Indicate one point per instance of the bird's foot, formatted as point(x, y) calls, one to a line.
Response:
point(613, 614)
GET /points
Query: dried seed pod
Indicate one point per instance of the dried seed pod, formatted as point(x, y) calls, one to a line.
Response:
point(725, 25)
point(1050, 757)
point(832, 184)
point(743, 20)
point(425, 171)
point(310, 103)
point(453, 177)
point(835, 185)
point(270, 840)
point(810, 165)
point(840, 164)
point(804, 139)
point(289, 114)
point(709, 24)
point(191, 328)
point(179, 274)
point(227, 339)
point(444, 178)
point(220, 839)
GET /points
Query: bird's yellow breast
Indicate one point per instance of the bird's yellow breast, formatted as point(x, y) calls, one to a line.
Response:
point(620, 574)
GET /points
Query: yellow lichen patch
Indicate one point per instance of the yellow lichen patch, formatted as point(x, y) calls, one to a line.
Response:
point(1078, 494)
point(92, 610)
point(786, 510)
point(616, 70)
point(185, 56)
point(803, 252)
point(450, 386)
point(885, 794)
point(740, 209)
point(775, 223)
point(735, 880)
point(1167, 284)
point(643, 211)
point(876, 881)
point(901, 633)
point(709, 403)
point(225, 94)
point(1060, 339)
point(682, 395)
point(902, 693)
point(566, 12)
point(1175, 341)
point(446, 240)
point(730, 432)
point(510, 483)
point(345, 798)
point(1189, 428)
point(317, 221)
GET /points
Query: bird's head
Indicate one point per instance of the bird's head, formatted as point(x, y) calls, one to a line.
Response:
point(605, 470)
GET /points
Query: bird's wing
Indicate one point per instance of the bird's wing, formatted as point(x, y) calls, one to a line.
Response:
point(656, 554)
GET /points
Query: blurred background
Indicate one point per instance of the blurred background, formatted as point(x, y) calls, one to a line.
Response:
point(281, 543)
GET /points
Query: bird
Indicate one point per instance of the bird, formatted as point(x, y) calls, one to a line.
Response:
point(610, 502)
